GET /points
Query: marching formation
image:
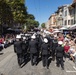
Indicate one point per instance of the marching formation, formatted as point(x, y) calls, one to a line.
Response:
point(39, 45)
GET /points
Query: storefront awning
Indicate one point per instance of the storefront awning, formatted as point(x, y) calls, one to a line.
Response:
point(72, 27)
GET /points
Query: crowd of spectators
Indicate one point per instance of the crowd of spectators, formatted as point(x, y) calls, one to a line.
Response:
point(6, 41)
point(69, 43)
point(70, 47)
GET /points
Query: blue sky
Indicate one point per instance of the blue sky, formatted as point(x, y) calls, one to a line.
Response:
point(42, 9)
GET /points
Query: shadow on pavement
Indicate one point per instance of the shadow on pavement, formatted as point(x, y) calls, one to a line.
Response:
point(1, 53)
point(49, 61)
point(26, 60)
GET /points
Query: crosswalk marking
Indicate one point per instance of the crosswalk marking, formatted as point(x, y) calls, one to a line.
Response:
point(70, 71)
point(74, 67)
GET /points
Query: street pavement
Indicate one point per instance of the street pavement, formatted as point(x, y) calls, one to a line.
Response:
point(9, 66)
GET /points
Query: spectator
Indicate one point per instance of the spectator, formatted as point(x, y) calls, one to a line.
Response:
point(66, 46)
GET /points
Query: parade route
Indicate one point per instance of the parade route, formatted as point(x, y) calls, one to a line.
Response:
point(37, 37)
point(9, 66)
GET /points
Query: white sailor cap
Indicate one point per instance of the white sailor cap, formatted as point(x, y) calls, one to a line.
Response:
point(60, 42)
point(33, 37)
point(45, 40)
point(24, 38)
point(18, 36)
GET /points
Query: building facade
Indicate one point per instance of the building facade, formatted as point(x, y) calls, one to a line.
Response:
point(74, 7)
point(52, 23)
point(65, 16)
point(47, 24)
point(68, 15)
point(59, 16)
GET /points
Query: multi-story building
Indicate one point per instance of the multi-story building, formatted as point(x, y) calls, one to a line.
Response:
point(65, 16)
point(47, 24)
point(73, 5)
point(52, 23)
point(74, 1)
point(59, 16)
point(68, 15)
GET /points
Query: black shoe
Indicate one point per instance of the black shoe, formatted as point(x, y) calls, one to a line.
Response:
point(43, 65)
point(35, 63)
point(62, 68)
point(47, 67)
point(20, 66)
point(53, 58)
point(58, 65)
point(1, 74)
point(32, 64)
point(63, 60)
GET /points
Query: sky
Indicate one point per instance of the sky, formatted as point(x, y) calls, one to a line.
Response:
point(42, 9)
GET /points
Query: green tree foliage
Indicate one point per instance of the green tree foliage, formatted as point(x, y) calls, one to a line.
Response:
point(43, 25)
point(30, 16)
point(31, 22)
point(36, 23)
point(6, 16)
point(19, 11)
point(14, 13)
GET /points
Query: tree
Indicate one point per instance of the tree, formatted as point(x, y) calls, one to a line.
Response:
point(6, 17)
point(30, 16)
point(31, 22)
point(36, 23)
point(5, 13)
point(43, 25)
point(19, 11)
point(14, 14)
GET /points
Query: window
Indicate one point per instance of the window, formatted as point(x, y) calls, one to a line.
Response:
point(74, 1)
point(71, 12)
point(65, 22)
point(60, 14)
point(72, 22)
point(69, 22)
point(66, 13)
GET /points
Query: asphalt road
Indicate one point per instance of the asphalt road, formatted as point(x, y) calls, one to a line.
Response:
point(9, 66)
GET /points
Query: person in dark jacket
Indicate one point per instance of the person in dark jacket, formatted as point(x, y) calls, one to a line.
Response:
point(33, 50)
point(18, 49)
point(24, 47)
point(51, 41)
point(60, 54)
point(39, 44)
point(54, 45)
point(45, 52)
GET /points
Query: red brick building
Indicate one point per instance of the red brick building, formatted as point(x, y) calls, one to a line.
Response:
point(74, 1)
